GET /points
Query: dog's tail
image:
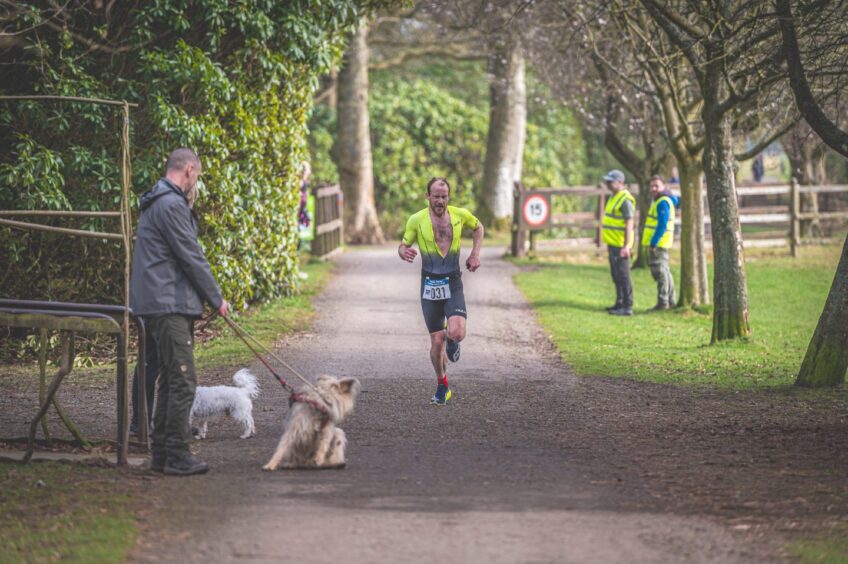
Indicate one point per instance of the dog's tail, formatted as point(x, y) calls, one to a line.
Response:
point(244, 378)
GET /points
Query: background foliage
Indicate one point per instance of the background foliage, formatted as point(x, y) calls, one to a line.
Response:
point(232, 80)
point(431, 119)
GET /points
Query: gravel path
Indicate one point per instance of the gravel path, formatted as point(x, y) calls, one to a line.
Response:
point(523, 465)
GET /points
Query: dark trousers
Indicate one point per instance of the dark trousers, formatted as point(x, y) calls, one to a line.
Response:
point(620, 270)
point(174, 336)
point(151, 371)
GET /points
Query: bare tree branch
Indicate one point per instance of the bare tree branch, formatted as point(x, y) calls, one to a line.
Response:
point(829, 132)
point(413, 52)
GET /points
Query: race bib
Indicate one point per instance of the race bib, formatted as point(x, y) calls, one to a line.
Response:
point(436, 289)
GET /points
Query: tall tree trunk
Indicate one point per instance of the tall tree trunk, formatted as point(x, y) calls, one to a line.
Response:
point(827, 355)
point(520, 110)
point(643, 203)
point(730, 313)
point(356, 172)
point(505, 140)
point(694, 287)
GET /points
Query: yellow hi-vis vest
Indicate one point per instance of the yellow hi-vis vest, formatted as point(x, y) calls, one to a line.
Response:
point(651, 225)
point(614, 223)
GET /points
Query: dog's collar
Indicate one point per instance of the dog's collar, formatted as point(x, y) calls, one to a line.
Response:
point(296, 396)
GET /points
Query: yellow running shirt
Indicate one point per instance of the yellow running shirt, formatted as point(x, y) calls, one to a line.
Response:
point(419, 228)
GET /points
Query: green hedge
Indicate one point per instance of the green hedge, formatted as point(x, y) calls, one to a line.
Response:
point(232, 80)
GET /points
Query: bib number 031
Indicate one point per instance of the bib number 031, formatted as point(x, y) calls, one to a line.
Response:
point(436, 289)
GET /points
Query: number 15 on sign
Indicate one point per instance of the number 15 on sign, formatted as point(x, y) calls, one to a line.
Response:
point(536, 211)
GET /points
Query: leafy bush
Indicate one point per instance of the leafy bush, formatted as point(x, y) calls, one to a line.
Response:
point(232, 80)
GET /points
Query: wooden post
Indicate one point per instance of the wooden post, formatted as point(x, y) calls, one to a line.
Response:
point(340, 216)
point(318, 220)
point(599, 215)
point(794, 209)
point(518, 235)
point(123, 387)
point(42, 382)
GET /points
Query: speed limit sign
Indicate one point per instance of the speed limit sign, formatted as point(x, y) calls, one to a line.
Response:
point(536, 210)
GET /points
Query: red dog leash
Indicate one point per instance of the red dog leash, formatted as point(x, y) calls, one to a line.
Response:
point(293, 395)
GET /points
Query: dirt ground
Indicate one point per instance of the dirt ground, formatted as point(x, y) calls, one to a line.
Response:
point(527, 463)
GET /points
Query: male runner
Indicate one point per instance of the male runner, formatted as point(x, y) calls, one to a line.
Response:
point(437, 230)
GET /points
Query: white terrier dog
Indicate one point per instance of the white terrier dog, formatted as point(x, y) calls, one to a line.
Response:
point(311, 438)
point(235, 401)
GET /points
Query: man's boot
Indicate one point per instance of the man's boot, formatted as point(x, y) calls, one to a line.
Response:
point(184, 466)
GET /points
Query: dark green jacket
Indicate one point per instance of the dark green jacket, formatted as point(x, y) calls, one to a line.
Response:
point(170, 273)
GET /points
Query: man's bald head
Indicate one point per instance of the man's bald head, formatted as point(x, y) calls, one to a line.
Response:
point(183, 168)
point(179, 158)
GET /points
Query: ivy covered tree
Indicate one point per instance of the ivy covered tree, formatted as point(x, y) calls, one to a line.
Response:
point(232, 80)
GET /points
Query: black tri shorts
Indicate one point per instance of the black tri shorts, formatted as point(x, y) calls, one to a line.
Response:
point(437, 311)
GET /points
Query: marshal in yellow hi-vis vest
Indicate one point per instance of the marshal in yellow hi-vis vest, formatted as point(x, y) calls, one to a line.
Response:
point(614, 223)
point(651, 225)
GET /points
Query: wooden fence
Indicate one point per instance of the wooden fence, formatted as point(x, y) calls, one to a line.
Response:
point(770, 214)
point(328, 221)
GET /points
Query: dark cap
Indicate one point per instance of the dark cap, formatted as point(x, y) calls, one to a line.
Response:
point(614, 175)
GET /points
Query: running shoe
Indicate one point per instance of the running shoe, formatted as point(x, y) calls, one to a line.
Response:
point(452, 350)
point(443, 394)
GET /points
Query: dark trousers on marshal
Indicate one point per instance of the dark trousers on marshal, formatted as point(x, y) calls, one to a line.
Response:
point(174, 336)
point(620, 270)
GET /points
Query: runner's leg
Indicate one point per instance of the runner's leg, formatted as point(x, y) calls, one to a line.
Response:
point(437, 353)
point(456, 328)
point(455, 312)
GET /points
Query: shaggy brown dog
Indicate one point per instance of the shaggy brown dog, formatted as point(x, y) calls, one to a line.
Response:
point(310, 441)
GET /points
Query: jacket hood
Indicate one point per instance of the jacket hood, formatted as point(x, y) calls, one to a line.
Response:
point(161, 188)
point(672, 197)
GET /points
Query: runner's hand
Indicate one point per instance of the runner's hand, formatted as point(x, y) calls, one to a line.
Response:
point(224, 309)
point(472, 263)
point(408, 254)
point(625, 252)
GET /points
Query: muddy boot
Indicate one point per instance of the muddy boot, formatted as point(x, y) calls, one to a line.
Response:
point(185, 466)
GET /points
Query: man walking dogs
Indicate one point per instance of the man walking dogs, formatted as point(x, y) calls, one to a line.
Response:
point(170, 281)
point(659, 237)
point(618, 235)
point(437, 230)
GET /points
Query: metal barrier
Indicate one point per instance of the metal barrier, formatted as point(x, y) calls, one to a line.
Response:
point(68, 318)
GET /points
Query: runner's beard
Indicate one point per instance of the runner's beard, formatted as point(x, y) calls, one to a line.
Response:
point(438, 209)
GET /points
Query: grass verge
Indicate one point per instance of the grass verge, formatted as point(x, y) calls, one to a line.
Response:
point(786, 297)
point(53, 511)
point(823, 550)
point(267, 322)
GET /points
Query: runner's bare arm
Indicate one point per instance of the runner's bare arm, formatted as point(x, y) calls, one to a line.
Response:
point(473, 261)
point(406, 252)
